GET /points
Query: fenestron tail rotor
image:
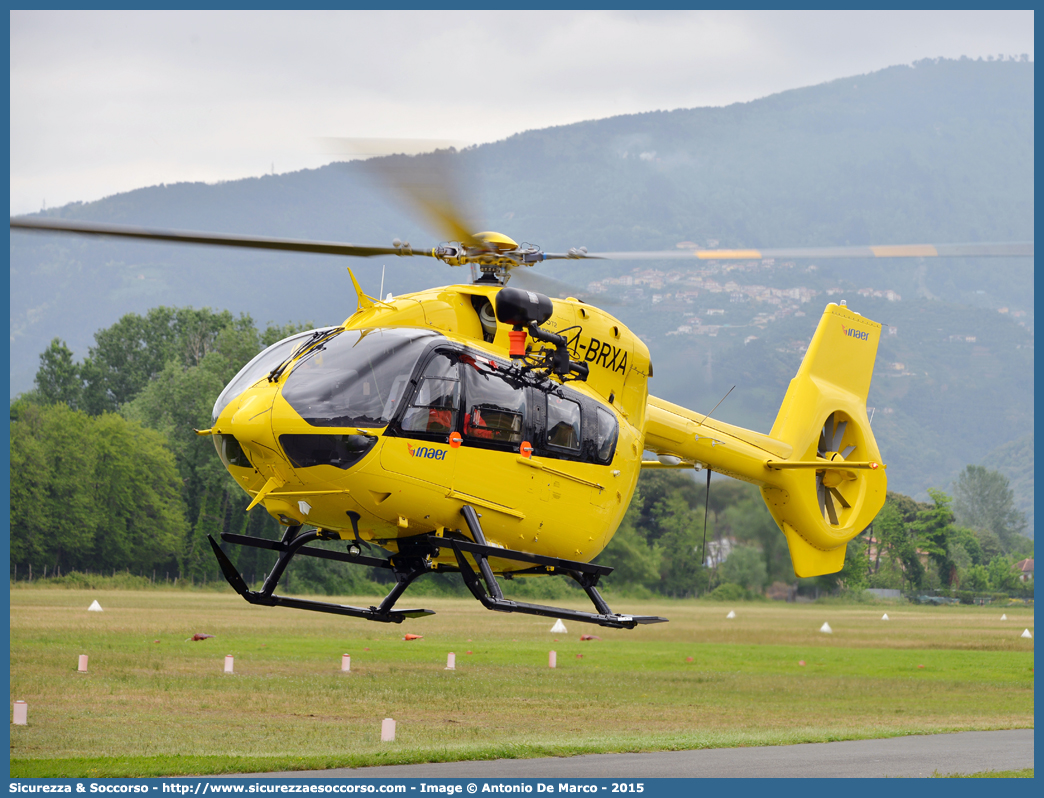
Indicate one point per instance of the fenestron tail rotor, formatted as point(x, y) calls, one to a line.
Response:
point(830, 481)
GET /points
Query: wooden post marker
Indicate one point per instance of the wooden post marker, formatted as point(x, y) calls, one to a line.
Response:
point(451, 661)
point(387, 730)
point(551, 658)
point(346, 663)
point(228, 663)
point(82, 666)
point(21, 713)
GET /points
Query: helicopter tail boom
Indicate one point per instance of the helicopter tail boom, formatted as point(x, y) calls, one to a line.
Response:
point(819, 469)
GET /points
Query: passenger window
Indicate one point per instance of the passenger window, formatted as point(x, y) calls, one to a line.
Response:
point(496, 408)
point(434, 406)
point(563, 423)
point(607, 433)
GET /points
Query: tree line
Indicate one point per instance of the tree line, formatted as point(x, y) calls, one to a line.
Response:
point(107, 474)
point(678, 539)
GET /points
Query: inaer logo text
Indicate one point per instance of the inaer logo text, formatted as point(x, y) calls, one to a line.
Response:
point(426, 452)
point(853, 333)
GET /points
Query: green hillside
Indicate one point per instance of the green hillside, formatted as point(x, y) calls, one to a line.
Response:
point(938, 152)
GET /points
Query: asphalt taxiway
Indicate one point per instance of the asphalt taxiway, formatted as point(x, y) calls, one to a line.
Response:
point(910, 757)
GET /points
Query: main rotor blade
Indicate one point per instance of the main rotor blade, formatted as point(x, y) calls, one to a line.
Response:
point(209, 239)
point(430, 184)
point(1022, 249)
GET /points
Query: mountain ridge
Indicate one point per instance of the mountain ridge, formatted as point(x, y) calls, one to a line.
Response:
point(936, 152)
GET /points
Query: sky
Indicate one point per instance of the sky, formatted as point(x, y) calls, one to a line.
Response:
point(107, 101)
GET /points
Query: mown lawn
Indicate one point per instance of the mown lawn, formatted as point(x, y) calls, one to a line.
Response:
point(155, 703)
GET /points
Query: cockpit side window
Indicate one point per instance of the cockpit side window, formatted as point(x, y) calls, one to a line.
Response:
point(434, 406)
point(496, 407)
point(607, 432)
point(563, 423)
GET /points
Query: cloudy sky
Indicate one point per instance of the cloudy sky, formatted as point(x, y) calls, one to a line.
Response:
point(103, 102)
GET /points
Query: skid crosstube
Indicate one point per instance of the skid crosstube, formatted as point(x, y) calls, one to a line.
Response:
point(293, 544)
point(414, 560)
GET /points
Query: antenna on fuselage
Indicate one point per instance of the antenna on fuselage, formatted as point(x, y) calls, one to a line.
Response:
point(726, 396)
point(706, 509)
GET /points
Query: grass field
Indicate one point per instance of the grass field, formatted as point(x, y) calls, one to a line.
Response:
point(154, 703)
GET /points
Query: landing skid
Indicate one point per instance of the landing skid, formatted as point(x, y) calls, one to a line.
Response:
point(414, 560)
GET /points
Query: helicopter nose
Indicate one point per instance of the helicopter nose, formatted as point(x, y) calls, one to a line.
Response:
point(252, 427)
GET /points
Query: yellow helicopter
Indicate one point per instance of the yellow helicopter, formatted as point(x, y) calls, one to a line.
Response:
point(493, 431)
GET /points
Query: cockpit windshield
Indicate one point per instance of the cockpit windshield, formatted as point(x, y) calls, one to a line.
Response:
point(261, 365)
point(356, 378)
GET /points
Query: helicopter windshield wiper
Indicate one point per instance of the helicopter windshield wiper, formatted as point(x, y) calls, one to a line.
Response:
point(307, 349)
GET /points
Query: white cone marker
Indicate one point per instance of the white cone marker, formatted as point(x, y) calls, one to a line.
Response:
point(825, 628)
point(451, 661)
point(21, 713)
point(559, 628)
point(228, 663)
point(95, 607)
point(387, 730)
point(732, 614)
point(82, 666)
point(1026, 633)
point(346, 663)
point(551, 658)
point(1004, 617)
point(884, 617)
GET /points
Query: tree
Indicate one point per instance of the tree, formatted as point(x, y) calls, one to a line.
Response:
point(131, 353)
point(90, 492)
point(656, 486)
point(966, 539)
point(1002, 574)
point(933, 527)
point(977, 579)
point(136, 482)
point(897, 548)
point(681, 531)
point(32, 473)
point(635, 562)
point(54, 516)
point(749, 521)
point(983, 499)
point(58, 378)
point(745, 566)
